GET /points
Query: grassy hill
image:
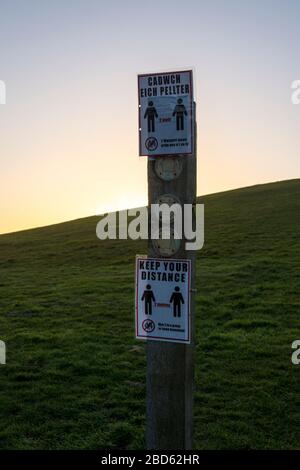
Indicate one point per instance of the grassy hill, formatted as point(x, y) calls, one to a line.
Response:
point(75, 375)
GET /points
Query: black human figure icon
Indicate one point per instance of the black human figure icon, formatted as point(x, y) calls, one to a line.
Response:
point(148, 297)
point(177, 300)
point(151, 114)
point(179, 112)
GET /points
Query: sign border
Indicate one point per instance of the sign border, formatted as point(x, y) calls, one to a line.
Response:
point(190, 71)
point(159, 338)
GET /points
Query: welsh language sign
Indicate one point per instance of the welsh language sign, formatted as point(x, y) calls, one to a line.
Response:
point(163, 299)
point(166, 113)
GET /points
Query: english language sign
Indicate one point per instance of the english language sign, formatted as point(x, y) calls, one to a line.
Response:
point(163, 299)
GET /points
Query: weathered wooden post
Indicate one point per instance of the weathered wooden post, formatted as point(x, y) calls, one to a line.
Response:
point(170, 364)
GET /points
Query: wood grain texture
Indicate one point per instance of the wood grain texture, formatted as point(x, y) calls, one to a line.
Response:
point(170, 366)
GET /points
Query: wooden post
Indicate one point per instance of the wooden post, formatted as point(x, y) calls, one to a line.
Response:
point(170, 366)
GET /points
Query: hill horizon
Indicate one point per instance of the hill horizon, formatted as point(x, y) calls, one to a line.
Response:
point(75, 374)
point(136, 207)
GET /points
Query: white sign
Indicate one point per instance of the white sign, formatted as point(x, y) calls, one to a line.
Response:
point(163, 299)
point(166, 113)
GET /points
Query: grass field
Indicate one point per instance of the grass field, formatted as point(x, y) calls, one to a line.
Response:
point(75, 375)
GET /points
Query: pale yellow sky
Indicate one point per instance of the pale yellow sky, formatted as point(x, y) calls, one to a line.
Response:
point(69, 130)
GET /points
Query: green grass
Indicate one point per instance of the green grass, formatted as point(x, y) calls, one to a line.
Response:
point(75, 375)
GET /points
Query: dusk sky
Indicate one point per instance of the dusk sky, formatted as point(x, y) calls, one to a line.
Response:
point(69, 129)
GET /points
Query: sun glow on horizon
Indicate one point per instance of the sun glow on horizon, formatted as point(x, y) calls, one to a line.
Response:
point(120, 204)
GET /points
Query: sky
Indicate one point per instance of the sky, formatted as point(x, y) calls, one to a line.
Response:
point(69, 128)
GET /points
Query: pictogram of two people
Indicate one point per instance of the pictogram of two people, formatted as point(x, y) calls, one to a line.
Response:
point(179, 111)
point(176, 299)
